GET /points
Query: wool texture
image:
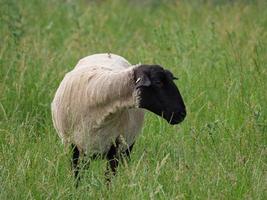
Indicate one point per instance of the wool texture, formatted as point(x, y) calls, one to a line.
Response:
point(96, 103)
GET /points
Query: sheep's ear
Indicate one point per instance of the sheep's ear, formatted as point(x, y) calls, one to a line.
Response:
point(142, 81)
point(170, 75)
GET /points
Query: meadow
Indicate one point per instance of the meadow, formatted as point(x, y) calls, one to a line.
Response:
point(218, 49)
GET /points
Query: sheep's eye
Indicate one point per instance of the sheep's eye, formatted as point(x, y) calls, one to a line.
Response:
point(159, 83)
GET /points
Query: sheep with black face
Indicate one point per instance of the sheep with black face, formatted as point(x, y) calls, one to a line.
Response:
point(99, 106)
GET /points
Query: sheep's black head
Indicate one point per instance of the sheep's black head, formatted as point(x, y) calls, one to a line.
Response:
point(158, 93)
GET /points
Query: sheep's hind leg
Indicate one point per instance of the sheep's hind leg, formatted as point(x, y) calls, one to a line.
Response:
point(75, 163)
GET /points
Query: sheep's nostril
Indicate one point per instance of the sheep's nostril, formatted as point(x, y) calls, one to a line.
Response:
point(177, 117)
point(183, 114)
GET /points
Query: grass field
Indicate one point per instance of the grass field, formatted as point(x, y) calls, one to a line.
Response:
point(218, 49)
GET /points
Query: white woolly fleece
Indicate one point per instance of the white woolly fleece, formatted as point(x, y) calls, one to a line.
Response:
point(96, 103)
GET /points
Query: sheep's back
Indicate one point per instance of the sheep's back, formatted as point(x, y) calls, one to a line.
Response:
point(106, 60)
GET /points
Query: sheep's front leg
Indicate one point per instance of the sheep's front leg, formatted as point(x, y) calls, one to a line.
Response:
point(128, 152)
point(113, 162)
point(75, 162)
point(113, 158)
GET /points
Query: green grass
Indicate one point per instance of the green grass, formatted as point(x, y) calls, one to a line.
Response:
point(218, 49)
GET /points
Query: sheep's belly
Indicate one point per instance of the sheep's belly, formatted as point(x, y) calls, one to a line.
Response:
point(124, 126)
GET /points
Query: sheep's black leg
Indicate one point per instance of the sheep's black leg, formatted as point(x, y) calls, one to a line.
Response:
point(113, 162)
point(113, 157)
point(75, 162)
point(128, 152)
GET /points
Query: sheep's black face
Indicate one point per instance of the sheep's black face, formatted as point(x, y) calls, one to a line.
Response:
point(159, 94)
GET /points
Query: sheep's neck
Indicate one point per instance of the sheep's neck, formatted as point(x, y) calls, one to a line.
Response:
point(113, 89)
point(122, 89)
point(117, 94)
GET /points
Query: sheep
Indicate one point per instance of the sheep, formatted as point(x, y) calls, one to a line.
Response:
point(99, 106)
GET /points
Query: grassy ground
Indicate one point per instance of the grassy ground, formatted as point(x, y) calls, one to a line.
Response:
point(217, 48)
